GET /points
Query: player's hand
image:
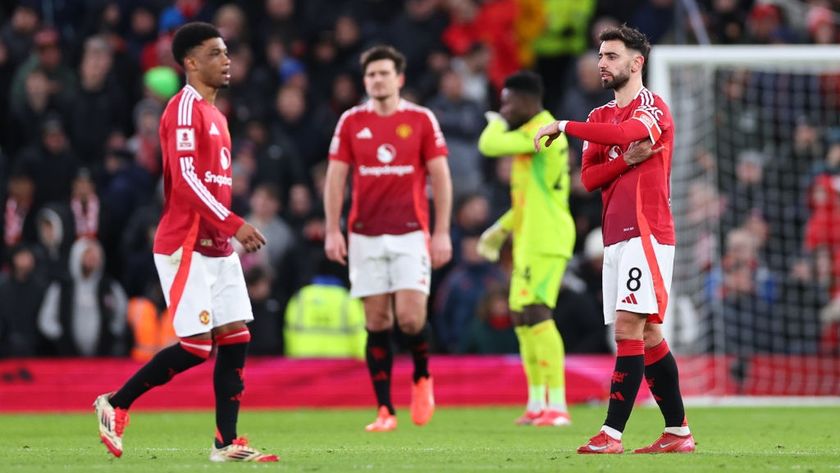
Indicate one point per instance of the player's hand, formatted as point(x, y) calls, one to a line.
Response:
point(639, 152)
point(441, 249)
point(250, 238)
point(335, 247)
point(491, 241)
point(552, 131)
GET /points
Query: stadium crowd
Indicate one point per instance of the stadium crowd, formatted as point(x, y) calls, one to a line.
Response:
point(83, 84)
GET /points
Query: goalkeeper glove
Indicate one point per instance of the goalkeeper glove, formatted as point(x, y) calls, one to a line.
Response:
point(491, 241)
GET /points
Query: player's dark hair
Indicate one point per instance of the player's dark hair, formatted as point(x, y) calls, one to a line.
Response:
point(525, 82)
point(631, 37)
point(383, 51)
point(190, 36)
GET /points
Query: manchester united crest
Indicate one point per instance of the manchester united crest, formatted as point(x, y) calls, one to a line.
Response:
point(204, 317)
point(404, 130)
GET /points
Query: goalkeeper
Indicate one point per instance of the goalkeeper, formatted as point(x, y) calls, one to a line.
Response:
point(543, 240)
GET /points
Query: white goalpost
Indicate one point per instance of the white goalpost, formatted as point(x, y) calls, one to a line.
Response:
point(756, 158)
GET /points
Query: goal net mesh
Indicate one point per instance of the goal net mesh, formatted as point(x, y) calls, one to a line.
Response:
point(755, 304)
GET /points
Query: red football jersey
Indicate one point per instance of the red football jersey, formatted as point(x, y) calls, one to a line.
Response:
point(639, 198)
point(197, 179)
point(388, 155)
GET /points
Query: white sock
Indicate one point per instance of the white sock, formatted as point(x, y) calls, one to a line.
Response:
point(536, 398)
point(611, 432)
point(681, 431)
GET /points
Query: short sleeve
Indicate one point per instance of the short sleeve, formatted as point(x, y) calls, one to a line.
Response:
point(434, 144)
point(340, 144)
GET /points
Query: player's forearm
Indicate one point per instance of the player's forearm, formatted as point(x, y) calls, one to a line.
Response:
point(621, 134)
point(596, 176)
point(208, 207)
point(334, 195)
point(496, 141)
point(441, 194)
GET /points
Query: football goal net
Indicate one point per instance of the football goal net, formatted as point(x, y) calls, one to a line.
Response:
point(755, 304)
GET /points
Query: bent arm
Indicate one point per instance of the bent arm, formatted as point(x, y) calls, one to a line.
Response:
point(496, 140)
point(621, 134)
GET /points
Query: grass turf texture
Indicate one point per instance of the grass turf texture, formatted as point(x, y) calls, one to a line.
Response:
point(457, 440)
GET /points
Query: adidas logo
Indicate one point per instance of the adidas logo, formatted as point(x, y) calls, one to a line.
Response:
point(213, 129)
point(631, 299)
point(365, 134)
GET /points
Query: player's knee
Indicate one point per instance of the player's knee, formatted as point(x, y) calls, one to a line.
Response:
point(376, 321)
point(629, 327)
point(652, 335)
point(199, 347)
point(410, 325)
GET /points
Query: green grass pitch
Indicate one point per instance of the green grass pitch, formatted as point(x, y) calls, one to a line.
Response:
point(457, 440)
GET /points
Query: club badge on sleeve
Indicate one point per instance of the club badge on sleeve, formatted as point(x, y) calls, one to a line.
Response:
point(185, 139)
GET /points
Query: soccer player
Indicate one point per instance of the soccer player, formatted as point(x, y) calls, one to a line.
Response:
point(200, 275)
point(390, 145)
point(543, 240)
point(638, 232)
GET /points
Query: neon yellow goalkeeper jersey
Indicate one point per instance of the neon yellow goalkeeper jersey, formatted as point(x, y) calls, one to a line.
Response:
point(539, 190)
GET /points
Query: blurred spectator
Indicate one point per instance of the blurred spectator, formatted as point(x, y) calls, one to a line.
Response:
point(18, 217)
point(267, 327)
point(145, 143)
point(654, 18)
point(471, 217)
point(250, 83)
point(52, 164)
point(766, 25)
point(26, 119)
point(822, 28)
point(743, 290)
point(726, 21)
point(461, 121)
point(134, 246)
point(55, 235)
point(489, 22)
point(301, 125)
point(265, 215)
point(21, 292)
point(416, 31)
point(323, 321)
point(142, 30)
point(85, 315)
point(84, 203)
point(580, 318)
point(491, 330)
point(47, 58)
point(802, 297)
point(584, 95)
point(472, 67)
point(822, 230)
point(564, 36)
point(232, 24)
point(461, 292)
point(150, 323)
point(183, 11)
point(100, 104)
point(18, 34)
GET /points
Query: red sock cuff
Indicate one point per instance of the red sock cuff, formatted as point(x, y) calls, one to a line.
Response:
point(652, 355)
point(199, 348)
point(232, 338)
point(630, 348)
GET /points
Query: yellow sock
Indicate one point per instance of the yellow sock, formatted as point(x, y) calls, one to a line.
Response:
point(548, 349)
point(536, 381)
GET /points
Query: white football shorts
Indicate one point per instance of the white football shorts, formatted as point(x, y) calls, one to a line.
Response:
point(384, 264)
point(208, 293)
point(635, 281)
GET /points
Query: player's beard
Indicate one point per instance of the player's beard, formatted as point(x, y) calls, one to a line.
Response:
point(617, 82)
